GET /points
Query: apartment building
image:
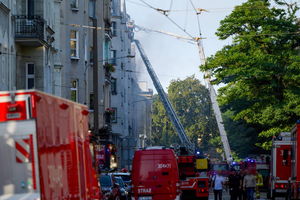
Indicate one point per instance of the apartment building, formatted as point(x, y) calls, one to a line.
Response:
point(142, 116)
point(7, 55)
point(125, 92)
point(76, 58)
point(47, 45)
point(26, 44)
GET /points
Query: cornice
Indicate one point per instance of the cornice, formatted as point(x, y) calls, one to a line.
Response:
point(4, 8)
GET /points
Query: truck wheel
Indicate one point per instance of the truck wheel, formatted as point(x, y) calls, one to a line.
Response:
point(273, 195)
point(269, 194)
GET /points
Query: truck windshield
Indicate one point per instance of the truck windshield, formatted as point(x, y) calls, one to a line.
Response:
point(126, 178)
point(220, 167)
point(120, 182)
point(105, 181)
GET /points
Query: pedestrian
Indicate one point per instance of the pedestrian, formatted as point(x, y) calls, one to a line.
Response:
point(218, 183)
point(234, 184)
point(259, 184)
point(249, 184)
point(242, 194)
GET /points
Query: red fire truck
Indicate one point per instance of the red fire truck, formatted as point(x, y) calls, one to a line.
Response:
point(194, 182)
point(280, 165)
point(44, 148)
point(155, 174)
point(295, 163)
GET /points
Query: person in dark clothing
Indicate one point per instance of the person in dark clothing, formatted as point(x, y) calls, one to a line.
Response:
point(234, 183)
point(242, 195)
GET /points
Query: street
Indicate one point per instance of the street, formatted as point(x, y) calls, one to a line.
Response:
point(226, 196)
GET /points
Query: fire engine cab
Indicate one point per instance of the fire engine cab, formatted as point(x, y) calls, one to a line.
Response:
point(295, 162)
point(280, 165)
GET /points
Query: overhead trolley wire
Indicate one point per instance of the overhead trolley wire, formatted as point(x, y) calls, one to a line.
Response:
point(186, 15)
point(164, 12)
point(171, 5)
point(197, 15)
point(220, 9)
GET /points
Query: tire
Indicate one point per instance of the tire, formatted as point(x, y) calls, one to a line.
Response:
point(202, 198)
point(273, 195)
point(269, 194)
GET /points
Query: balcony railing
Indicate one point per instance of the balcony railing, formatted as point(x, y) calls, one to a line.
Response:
point(29, 27)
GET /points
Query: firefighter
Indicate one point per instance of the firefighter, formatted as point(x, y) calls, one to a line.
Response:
point(259, 184)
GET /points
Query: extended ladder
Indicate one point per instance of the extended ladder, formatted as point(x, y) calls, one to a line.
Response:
point(165, 100)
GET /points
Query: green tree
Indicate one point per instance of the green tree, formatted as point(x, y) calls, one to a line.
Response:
point(191, 101)
point(261, 68)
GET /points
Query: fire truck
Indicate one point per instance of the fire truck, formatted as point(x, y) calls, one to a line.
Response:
point(191, 184)
point(44, 148)
point(295, 162)
point(280, 165)
point(194, 183)
point(155, 174)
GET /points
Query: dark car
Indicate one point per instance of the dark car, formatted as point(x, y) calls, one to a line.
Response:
point(110, 188)
point(126, 177)
point(123, 189)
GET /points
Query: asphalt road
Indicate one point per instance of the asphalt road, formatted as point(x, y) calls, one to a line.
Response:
point(226, 196)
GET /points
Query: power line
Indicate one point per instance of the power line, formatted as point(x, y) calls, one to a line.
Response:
point(25, 56)
point(197, 15)
point(133, 2)
point(171, 4)
point(186, 14)
point(218, 9)
point(165, 13)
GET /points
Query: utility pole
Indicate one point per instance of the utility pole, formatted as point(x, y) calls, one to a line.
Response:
point(215, 106)
point(95, 77)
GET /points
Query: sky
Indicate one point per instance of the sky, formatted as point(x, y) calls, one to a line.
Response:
point(172, 58)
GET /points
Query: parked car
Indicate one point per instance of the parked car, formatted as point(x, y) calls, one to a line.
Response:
point(123, 189)
point(110, 188)
point(126, 177)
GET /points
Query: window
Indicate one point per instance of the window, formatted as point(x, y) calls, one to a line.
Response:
point(74, 46)
point(113, 86)
point(113, 57)
point(92, 6)
point(29, 75)
point(74, 90)
point(91, 101)
point(74, 4)
point(285, 157)
point(114, 7)
point(85, 48)
point(91, 54)
point(114, 28)
point(114, 115)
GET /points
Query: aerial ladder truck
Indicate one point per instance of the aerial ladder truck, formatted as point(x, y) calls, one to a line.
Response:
point(212, 92)
point(194, 184)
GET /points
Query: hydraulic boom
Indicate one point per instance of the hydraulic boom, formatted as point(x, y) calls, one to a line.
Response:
point(168, 106)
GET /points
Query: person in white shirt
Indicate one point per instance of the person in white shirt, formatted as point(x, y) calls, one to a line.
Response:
point(218, 182)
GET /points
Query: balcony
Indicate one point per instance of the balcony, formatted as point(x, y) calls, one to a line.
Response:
point(29, 30)
point(108, 68)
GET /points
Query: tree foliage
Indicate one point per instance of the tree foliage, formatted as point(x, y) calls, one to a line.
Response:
point(191, 101)
point(261, 68)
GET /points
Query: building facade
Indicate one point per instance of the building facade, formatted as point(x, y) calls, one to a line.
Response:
point(48, 46)
point(126, 93)
point(7, 54)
